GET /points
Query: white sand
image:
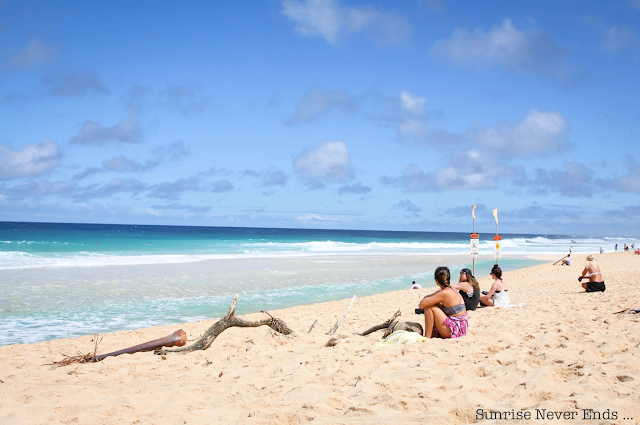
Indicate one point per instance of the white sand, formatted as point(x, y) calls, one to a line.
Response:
point(563, 351)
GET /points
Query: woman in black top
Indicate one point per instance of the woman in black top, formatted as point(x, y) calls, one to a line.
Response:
point(469, 289)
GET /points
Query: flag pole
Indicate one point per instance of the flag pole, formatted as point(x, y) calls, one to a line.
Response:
point(497, 237)
point(473, 259)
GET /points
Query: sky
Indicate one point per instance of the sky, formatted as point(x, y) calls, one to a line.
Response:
point(323, 114)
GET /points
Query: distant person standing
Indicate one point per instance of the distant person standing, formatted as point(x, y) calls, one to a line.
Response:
point(601, 250)
point(616, 248)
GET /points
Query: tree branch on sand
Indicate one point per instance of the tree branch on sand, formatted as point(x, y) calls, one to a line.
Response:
point(384, 325)
point(229, 321)
point(344, 314)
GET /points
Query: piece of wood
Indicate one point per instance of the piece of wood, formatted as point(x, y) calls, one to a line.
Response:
point(344, 314)
point(560, 260)
point(229, 321)
point(311, 328)
point(176, 339)
point(384, 325)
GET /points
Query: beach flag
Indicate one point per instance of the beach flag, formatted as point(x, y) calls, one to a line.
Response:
point(473, 212)
point(495, 214)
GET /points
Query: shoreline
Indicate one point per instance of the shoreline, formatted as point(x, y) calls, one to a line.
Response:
point(564, 350)
point(136, 297)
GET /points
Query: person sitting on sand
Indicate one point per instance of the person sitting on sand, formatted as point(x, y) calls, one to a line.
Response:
point(626, 248)
point(445, 314)
point(498, 295)
point(469, 289)
point(567, 261)
point(415, 285)
point(592, 271)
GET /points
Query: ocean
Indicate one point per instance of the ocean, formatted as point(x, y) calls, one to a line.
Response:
point(66, 280)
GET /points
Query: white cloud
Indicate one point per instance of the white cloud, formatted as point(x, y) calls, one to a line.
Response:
point(31, 160)
point(413, 119)
point(34, 54)
point(185, 98)
point(413, 123)
point(319, 103)
point(504, 45)
point(406, 205)
point(309, 217)
point(616, 38)
point(274, 178)
point(634, 4)
point(128, 130)
point(354, 189)
point(328, 162)
point(468, 170)
point(332, 21)
point(629, 183)
point(74, 84)
point(541, 133)
point(574, 180)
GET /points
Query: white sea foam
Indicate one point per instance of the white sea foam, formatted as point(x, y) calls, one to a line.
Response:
point(248, 250)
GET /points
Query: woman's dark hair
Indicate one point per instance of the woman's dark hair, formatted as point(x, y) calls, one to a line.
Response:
point(443, 276)
point(471, 278)
point(497, 271)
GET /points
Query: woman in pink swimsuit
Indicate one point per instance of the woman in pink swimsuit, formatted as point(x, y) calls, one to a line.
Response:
point(445, 314)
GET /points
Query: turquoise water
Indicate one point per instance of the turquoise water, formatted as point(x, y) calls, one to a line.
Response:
point(63, 280)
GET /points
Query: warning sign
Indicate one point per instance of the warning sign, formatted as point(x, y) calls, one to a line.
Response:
point(497, 247)
point(475, 247)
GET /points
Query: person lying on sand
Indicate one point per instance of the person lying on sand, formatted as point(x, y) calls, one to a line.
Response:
point(592, 271)
point(498, 295)
point(469, 289)
point(445, 314)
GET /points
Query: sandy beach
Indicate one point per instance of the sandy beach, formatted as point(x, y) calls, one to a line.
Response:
point(564, 351)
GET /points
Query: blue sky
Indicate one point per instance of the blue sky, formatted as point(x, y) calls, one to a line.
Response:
point(323, 114)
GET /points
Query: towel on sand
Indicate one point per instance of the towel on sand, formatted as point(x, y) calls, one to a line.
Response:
point(402, 337)
point(513, 305)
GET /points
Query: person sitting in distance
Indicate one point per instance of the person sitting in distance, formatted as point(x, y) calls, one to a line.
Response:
point(468, 288)
point(415, 285)
point(567, 261)
point(592, 271)
point(445, 314)
point(498, 295)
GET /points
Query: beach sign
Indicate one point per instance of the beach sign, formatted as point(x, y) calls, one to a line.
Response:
point(475, 245)
point(497, 247)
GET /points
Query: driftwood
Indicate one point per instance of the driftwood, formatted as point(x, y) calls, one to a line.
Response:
point(344, 314)
point(178, 338)
point(311, 328)
point(229, 321)
point(384, 325)
point(403, 326)
point(560, 260)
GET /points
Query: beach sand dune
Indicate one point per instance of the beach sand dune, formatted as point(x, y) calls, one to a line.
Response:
point(563, 351)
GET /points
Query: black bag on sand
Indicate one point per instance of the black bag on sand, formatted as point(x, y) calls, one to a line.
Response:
point(419, 310)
